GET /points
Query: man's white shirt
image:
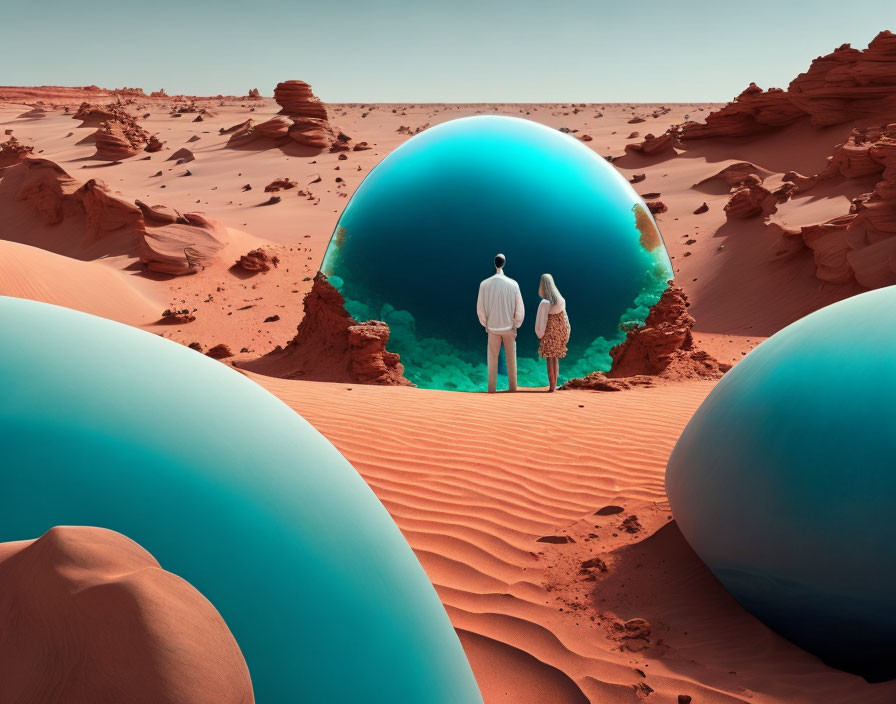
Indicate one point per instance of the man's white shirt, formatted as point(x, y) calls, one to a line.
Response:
point(500, 304)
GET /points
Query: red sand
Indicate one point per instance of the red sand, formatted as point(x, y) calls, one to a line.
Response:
point(536, 624)
point(88, 615)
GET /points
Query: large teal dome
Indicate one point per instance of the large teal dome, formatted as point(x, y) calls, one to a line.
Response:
point(423, 228)
point(784, 482)
point(105, 425)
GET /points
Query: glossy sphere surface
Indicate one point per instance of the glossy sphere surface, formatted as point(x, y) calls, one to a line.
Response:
point(423, 228)
point(784, 482)
point(105, 425)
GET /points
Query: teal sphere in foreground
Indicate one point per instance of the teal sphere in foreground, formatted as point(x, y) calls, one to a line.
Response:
point(105, 425)
point(784, 482)
point(424, 226)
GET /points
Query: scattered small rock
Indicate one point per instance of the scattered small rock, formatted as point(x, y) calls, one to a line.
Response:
point(556, 539)
point(631, 525)
point(220, 351)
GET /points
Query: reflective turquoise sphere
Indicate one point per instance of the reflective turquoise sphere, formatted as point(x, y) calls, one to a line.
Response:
point(784, 482)
point(423, 229)
point(105, 425)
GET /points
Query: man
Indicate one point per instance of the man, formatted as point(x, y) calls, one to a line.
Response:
point(500, 309)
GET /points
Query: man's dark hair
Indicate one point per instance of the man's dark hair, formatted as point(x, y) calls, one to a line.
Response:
point(500, 261)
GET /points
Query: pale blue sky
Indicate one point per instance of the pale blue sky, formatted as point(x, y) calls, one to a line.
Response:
point(459, 51)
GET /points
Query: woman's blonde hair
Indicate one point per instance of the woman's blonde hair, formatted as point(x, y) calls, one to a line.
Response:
point(547, 289)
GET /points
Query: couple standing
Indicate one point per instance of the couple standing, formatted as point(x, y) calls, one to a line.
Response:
point(501, 312)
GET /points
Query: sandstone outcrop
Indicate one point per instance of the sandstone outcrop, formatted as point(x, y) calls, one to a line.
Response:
point(860, 244)
point(94, 115)
point(182, 248)
point(748, 200)
point(653, 145)
point(181, 156)
point(275, 128)
point(330, 345)
point(664, 345)
point(752, 112)
point(311, 126)
point(12, 152)
point(661, 348)
point(79, 596)
point(847, 84)
point(164, 241)
point(737, 174)
point(120, 140)
point(238, 128)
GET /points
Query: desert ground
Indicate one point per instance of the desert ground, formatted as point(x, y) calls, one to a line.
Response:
point(613, 606)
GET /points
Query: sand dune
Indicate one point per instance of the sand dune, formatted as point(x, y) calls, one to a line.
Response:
point(88, 614)
point(473, 481)
point(92, 287)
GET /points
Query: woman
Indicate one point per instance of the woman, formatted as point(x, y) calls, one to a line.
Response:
point(552, 327)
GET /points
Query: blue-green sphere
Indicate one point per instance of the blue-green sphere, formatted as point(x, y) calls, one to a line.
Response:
point(105, 425)
point(423, 229)
point(784, 482)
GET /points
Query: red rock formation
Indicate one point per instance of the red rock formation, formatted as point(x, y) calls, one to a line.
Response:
point(181, 156)
point(93, 115)
point(860, 244)
point(737, 174)
point(848, 84)
point(280, 184)
point(154, 144)
point(844, 85)
point(182, 248)
point(12, 152)
point(297, 101)
point(239, 128)
point(80, 596)
point(35, 113)
point(653, 145)
point(747, 201)
point(119, 140)
point(258, 260)
point(662, 347)
point(310, 122)
point(178, 244)
point(275, 128)
point(371, 363)
point(330, 345)
point(752, 112)
point(156, 215)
